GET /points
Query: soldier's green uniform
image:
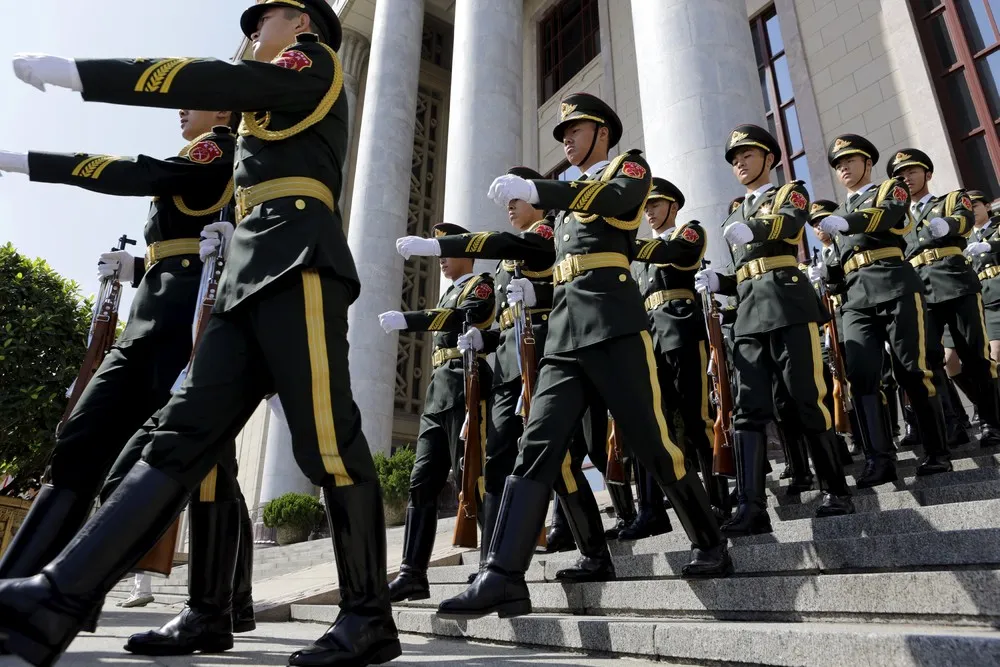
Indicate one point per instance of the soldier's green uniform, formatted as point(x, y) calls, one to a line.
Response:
point(776, 339)
point(954, 293)
point(884, 302)
point(598, 344)
point(280, 324)
point(987, 267)
point(189, 191)
point(439, 444)
point(664, 270)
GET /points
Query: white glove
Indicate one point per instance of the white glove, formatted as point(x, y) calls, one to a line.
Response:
point(939, 227)
point(832, 224)
point(15, 163)
point(212, 235)
point(520, 290)
point(116, 260)
point(706, 280)
point(738, 232)
point(815, 273)
point(38, 69)
point(470, 340)
point(977, 248)
point(392, 320)
point(419, 246)
point(508, 187)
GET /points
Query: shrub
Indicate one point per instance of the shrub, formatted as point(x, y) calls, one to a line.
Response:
point(293, 509)
point(394, 473)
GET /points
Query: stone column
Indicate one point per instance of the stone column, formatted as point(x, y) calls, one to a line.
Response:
point(353, 54)
point(484, 121)
point(281, 473)
point(380, 199)
point(694, 89)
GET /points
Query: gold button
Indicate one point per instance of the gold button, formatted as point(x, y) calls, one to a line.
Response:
point(568, 255)
point(545, 317)
point(621, 278)
point(857, 248)
point(688, 300)
point(651, 279)
point(185, 263)
point(565, 237)
point(795, 279)
point(300, 204)
point(749, 246)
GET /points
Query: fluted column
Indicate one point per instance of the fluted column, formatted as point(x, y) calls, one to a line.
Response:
point(354, 51)
point(484, 122)
point(379, 207)
point(694, 89)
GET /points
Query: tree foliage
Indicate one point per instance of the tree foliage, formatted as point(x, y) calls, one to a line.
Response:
point(43, 331)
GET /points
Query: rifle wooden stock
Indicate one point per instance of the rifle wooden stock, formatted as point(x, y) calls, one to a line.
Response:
point(723, 461)
point(472, 466)
point(160, 559)
point(529, 362)
point(616, 457)
point(842, 421)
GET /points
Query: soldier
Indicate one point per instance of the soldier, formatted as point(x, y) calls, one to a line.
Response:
point(984, 253)
point(664, 271)
point(598, 344)
point(883, 303)
point(532, 253)
point(135, 379)
point(934, 246)
point(280, 324)
point(439, 445)
point(776, 334)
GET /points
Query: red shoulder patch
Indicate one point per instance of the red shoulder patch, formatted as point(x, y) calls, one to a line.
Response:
point(483, 290)
point(633, 170)
point(293, 59)
point(967, 202)
point(544, 231)
point(899, 193)
point(798, 200)
point(690, 235)
point(205, 152)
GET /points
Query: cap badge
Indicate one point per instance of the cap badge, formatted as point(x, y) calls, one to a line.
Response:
point(840, 144)
point(737, 137)
point(566, 109)
point(902, 157)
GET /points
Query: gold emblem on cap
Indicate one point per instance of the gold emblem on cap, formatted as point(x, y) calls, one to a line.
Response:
point(566, 109)
point(840, 143)
point(815, 208)
point(737, 137)
point(440, 232)
point(902, 157)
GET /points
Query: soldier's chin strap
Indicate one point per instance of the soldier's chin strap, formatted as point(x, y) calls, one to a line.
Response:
point(593, 142)
point(763, 166)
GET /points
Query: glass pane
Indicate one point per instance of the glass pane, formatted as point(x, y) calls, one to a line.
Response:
point(942, 42)
point(758, 50)
point(989, 76)
point(774, 35)
point(960, 107)
point(792, 130)
point(977, 167)
point(995, 10)
point(800, 171)
point(783, 79)
point(765, 88)
point(569, 9)
point(779, 174)
point(771, 126)
point(924, 6)
point(976, 23)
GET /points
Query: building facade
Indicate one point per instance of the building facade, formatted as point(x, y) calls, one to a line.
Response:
point(449, 94)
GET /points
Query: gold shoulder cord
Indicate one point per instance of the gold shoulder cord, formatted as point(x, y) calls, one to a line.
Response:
point(227, 195)
point(701, 255)
point(250, 125)
point(627, 225)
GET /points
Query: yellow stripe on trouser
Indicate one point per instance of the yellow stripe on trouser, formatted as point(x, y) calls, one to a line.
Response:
point(986, 337)
point(206, 493)
point(705, 414)
point(319, 363)
point(482, 448)
point(922, 347)
point(567, 474)
point(676, 455)
point(817, 356)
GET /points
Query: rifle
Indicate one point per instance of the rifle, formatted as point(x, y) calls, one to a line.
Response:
point(472, 461)
point(616, 457)
point(723, 462)
point(101, 336)
point(527, 359)
point(841, 420)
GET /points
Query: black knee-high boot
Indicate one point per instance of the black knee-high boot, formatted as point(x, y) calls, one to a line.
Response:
point(418, 543)
point(243, 616)
point(751, 516)
point(584, 518)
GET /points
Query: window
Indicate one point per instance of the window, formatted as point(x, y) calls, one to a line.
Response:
point(961, 41)
point(565, 172)
point(569, 38)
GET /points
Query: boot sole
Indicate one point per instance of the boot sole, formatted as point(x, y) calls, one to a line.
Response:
point(213, 645)
point(414, 597)
point(39, 655)
point(244, 626)
point(728, 569)
point(505, 610)
point(374, 656)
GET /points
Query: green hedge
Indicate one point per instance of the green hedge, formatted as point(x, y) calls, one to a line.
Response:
point(294, 509)
point(394, 474)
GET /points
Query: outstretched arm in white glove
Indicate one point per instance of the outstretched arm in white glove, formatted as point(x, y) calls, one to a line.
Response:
point(392, 320)
point(977, 248)
point(38, 69)
point(116, 260)
point(939, 227)
point(520, 290)
point(211, 238)
point(15, 163)
point(409, 246)
point(509, 187)
point(833, 224)
point(738, 232)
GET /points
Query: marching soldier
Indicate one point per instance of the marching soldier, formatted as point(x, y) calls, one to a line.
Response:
point(135, 379)
point(983, 251)
point(532, 253)
point(280, 324)
point(439, 444)
point(664, 270)
point(598, 334)
point(776, 334)
point(934, 246)
point(883, 302)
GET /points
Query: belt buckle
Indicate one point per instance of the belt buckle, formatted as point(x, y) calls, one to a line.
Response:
point(566, 269)
point(756, 267)
point(150, 254)
point(865, 259)
point(241, 204)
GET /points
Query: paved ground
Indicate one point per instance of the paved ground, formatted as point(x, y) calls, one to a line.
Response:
point(271, 644)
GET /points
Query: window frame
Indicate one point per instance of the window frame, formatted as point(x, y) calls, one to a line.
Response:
point(590, 37)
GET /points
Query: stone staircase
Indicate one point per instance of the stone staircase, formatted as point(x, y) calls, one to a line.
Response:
point(912, 579)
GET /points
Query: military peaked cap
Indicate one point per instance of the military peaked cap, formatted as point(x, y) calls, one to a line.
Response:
point(583, 106)
point(851, 144)
point(908, 157)
point(448, 229)
point(820, 209)
point(664, 189)
point(324, 19)
point(754, 137)
point(525, 172)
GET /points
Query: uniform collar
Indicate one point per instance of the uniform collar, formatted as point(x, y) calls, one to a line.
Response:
point(862, 190)
point(760, 191)
point(460, 281)
point(926, 198)
point(665, 235)
point(595, 168)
